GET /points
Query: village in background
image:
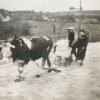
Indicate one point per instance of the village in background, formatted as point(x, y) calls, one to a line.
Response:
point(53, 24)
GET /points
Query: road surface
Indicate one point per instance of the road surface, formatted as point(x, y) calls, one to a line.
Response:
point(72, 83)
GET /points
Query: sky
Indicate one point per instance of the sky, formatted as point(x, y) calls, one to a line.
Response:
point(48, 5)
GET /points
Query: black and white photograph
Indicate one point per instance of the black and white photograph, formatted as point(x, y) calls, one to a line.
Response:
point(49, 49)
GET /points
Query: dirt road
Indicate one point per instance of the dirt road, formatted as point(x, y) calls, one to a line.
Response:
point(72, 83)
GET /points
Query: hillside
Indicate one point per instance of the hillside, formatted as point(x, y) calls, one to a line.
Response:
point(48, 16)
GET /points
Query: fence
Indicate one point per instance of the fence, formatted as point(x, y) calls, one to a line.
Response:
point(58, 32)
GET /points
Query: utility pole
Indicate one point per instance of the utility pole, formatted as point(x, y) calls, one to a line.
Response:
point(80, 20)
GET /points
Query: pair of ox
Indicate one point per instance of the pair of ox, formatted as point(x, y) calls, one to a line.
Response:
point(22, 50)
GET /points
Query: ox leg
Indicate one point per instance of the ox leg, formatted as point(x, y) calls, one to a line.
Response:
point(49, 64)
point(81, 63)
point(66, 62)
point(43, 62)
point(42, 66)
point(20, 71)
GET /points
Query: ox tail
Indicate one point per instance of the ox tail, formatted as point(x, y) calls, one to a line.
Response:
point(50, 45)
point(0, 49)
point(48, 62)
point(49, 50)
point(55, 48)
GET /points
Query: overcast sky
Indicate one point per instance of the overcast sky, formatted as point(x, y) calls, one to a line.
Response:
point(48, 5)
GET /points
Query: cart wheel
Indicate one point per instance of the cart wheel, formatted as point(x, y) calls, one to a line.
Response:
point(57, 60)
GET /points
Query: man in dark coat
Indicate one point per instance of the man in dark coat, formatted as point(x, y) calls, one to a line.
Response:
point(72, 37)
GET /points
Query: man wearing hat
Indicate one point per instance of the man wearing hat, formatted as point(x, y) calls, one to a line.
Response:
point(72, 37)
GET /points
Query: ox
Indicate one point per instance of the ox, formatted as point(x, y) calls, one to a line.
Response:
point(22, 50)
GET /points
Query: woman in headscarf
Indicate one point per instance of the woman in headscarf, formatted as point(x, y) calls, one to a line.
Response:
point(81, 46)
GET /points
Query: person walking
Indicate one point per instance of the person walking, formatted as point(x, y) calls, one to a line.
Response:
point(81, 45)
point(72, 38)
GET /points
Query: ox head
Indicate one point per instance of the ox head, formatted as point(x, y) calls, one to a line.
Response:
point(16, 46)
point(8, 48)
point(21, 42)
point(17, 42)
